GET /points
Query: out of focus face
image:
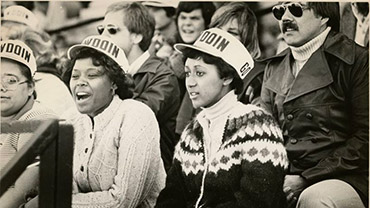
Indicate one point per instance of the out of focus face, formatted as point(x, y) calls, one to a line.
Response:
point(115, 28)
point(92, 90)
point(232, 27)
point(15, 89)
point(160, 17)
point(298, 23)
point(203, 83)
point(190, 25)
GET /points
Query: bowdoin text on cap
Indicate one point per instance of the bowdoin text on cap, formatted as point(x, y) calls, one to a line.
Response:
point(21, 15)
point(219, 43)
point(18, 51)
point(104, 45)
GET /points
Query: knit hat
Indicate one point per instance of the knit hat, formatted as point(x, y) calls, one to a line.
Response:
point(166, 3)
point(222, 44)
point(18, 51)
point(21, 15)
point(104, 45)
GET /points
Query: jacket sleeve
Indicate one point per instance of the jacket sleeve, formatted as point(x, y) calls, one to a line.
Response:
point(173, 195)
point(265, 100)
point(353, 155)
point(139, 165)
point(162, 91)
point(264, 161)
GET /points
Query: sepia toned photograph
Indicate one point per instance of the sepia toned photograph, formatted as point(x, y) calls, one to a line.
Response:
point(184, 104)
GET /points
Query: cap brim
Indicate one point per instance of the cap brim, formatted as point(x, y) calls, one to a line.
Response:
point(74, 49)
point(180, 47)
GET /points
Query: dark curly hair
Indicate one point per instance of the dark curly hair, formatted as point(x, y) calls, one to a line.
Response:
point(224, 69)
point(124, 81)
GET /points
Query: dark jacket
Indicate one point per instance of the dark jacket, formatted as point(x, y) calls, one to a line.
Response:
point(324, 111)
point(246, 171)
point(157, 86)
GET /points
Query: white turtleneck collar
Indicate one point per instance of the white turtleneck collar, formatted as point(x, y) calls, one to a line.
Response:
point(305, 51)
point(213, 120)
point(224, 105)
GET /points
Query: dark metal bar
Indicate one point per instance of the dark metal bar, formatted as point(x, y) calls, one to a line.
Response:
point(38, 142)
point(48, 175)
point(64, 167)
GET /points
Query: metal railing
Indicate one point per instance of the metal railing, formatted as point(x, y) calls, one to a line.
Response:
point(53, 142)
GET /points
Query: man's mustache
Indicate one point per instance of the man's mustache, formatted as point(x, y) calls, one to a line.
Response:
point(289, 25)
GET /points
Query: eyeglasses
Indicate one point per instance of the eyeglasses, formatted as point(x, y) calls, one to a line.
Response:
point(112, 29)
point(11, 82)
point(296, 9)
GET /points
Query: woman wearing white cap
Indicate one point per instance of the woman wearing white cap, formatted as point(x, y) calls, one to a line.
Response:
point(18, 103)
point(231, 154)
point(117, 161)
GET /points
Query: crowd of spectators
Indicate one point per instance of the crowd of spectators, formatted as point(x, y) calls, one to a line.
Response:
point(193, 104)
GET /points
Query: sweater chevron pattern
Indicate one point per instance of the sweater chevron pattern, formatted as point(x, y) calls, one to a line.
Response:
point(247, 170)
point(251, 137)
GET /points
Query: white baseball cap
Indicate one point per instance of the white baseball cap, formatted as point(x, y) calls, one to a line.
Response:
point(18, 51)
point(21, 15)
point(222, 44)
point(164, 3)
point(104, 45)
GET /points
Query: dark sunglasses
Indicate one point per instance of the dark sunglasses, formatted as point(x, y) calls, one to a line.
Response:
point(111, 29)
point(296, 9)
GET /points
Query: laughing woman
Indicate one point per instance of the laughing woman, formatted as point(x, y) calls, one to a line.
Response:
point(231, 154)
point(117, 161)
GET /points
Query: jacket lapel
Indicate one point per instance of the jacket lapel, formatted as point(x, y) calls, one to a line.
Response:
point(281, 78)
point(315, 74)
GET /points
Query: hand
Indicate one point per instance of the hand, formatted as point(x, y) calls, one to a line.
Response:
point(293, 186)
point(33, 203)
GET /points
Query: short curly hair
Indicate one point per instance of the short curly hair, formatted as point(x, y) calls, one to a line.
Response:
point(124, 81)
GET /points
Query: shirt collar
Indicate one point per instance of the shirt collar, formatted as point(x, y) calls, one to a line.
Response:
point(135, 66)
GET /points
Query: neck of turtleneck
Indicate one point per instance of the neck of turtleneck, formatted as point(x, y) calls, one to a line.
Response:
point(223, 106)
point(305, 51)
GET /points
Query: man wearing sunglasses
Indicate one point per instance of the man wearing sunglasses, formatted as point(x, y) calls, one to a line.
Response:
point(318, 90)
point(131, 27)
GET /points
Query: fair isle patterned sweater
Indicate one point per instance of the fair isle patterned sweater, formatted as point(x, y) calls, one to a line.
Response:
point(231, 155)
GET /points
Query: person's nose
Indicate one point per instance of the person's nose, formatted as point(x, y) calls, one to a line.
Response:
point(190, 82)
point(3, 89)
point(287, 16)
point(81, 82)
point(105, 33)
point(187, 21)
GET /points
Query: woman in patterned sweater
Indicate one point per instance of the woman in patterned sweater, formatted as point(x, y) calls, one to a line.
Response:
point(231, 154)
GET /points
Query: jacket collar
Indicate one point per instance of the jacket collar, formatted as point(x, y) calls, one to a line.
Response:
point(337, 44)
point(312, 76)
point(340, 46)
point(150, 65)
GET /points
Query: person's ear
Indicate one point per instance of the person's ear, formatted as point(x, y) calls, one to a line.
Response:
point(324, 20)
point(136, 38)
point(31, 89)
point(114, 87)
point(227, 81)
